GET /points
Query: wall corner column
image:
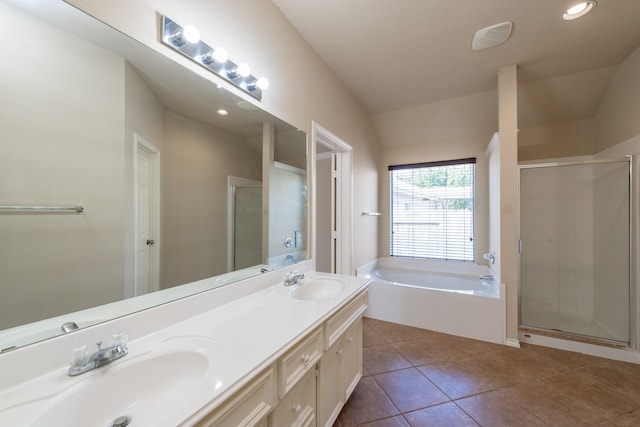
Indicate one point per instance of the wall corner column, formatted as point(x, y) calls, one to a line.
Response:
point(508, 252)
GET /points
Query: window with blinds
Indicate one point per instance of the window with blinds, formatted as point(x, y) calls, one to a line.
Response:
point(432, 210)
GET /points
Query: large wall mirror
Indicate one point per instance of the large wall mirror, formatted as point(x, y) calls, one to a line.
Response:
point(177, 198)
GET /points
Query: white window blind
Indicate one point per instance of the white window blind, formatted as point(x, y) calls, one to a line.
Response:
point(432, 210)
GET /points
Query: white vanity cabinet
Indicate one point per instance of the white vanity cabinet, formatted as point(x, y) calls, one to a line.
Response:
point(248, 407)
point(298, 408)
point(308, 384)
point(340, 368)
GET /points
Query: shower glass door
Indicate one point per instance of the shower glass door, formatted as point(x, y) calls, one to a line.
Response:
point(574, 261)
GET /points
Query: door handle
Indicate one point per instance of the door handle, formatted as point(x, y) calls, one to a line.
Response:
point(150, 241)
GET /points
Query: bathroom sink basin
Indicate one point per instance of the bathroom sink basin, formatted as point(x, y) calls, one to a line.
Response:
point(317, 289)
point(141, 389)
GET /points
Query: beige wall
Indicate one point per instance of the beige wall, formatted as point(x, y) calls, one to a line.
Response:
point(302, 88)
point(444, 130)
point(435, 151)
point(323, 214)
point(558, 139)
point(617, 116)
point(508, 132)
point(197, 161)
point(59, 147)
point(144, 116)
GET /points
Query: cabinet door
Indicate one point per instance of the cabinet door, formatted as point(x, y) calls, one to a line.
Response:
point(352, 357)
point(299, 406)
point(330, 385)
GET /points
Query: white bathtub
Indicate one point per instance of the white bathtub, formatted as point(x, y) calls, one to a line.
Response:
point(443, 296)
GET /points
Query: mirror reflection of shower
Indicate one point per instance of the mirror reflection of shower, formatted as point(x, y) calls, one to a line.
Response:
point(246, 224)
point(575, 256)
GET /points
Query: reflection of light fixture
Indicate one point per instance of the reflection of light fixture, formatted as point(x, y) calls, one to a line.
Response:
point(260, 83)
point(218, 55)
point(241, 70)
point(579, 10)
point(188, 34)
point(191, 34)
point(187, 41)
point(222, 112)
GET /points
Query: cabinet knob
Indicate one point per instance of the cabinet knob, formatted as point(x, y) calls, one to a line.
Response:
point(350, 339)
point(339, 351)
point(305, 358)
point(296, 408)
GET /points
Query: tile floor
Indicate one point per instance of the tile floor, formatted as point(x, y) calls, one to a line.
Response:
point(415, 377)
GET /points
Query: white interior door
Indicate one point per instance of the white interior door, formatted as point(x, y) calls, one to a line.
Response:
point(146, 218)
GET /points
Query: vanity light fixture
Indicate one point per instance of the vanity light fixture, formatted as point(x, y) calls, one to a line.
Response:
point(578, 10)
point(188, 34)
point(186, 40)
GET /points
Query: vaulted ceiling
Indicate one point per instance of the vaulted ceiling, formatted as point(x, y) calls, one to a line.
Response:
point(396, 54)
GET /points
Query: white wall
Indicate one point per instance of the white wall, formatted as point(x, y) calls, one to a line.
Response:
point(44, 257)
point(302, 88)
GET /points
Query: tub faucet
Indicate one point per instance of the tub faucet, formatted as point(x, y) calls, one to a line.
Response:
point(490, 256)
point(81, 363)
point(293, 278)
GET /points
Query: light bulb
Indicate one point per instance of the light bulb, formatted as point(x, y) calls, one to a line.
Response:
point(577, 8)
point(191, 34)
point(222, 112)
point(262, 83)
point(220, 55)
point(243, 70)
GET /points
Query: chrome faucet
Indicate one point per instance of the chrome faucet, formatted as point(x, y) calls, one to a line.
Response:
point(81, 363)
point(293, 278)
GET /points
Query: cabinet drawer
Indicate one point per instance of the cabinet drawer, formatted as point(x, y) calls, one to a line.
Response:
point(248, 407)
point(298, 408)
point(339, 322)
point(297, 361)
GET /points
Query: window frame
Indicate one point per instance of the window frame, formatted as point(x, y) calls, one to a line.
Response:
point(402, 252)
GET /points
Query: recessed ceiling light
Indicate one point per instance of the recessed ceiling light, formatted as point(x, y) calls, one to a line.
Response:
point(578, 10)
point(222, 112)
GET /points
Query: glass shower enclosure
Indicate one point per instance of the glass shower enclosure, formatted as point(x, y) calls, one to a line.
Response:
point(575, 249)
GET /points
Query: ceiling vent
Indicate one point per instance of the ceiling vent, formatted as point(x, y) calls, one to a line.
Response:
point(491, 36)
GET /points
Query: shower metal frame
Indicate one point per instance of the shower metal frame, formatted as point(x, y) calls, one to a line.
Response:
point(634, 240)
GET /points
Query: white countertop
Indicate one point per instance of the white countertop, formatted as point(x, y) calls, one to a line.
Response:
point(245, 335)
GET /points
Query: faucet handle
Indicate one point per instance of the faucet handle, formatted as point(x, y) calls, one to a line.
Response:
point(120, 339)
point(78, 356)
